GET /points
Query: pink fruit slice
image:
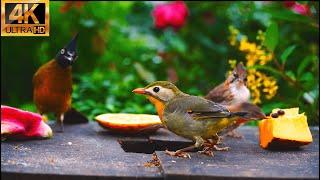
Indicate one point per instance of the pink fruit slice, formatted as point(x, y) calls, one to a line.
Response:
point(16, 123)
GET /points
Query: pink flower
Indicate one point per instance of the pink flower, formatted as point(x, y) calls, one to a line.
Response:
point(171, 14)
point(302, 9)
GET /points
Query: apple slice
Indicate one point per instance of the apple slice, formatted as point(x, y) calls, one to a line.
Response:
point(129, 123)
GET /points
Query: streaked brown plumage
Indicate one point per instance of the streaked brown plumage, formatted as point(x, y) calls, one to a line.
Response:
point(232, 92)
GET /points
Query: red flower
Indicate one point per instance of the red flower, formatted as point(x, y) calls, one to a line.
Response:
point(298, 8)
point(289, 4)
point(302, 9)
point(172, 14)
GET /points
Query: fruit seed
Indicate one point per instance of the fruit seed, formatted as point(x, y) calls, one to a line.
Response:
point(274, 115)
point(281, 112)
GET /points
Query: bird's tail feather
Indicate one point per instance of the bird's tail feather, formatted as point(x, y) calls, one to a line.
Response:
point(247, 111)
point(72, 116)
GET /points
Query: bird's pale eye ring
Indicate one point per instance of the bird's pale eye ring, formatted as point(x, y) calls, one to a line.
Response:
point(156, 89)
point(62, 51)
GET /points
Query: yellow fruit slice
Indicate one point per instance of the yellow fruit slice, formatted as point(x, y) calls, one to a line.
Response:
point(128, 123)
point(290, 130)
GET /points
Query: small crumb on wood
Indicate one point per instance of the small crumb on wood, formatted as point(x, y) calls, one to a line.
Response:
point(21, 148)
point(154, 162)
point(51, 160)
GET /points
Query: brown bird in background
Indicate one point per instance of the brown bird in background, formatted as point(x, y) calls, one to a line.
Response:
point(52, 83)
point(233, 92)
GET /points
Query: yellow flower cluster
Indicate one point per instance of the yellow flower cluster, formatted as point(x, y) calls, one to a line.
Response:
point(258, 82)
point(233, 37)
point(232, 63)
point(260, 36)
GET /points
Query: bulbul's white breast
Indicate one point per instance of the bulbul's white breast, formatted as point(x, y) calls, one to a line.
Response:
point(240, 93)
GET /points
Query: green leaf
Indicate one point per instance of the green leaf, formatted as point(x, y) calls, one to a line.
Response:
point(291, 74)
point(286, 53)
point(272, 36)
point(288, 16)
point(266, 68)
point(307, 77)
point(307, 80)
point(304, 63)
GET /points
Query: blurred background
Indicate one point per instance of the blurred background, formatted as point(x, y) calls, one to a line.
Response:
point(124, 45)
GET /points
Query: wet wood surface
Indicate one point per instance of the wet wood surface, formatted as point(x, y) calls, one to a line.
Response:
point(87, 151)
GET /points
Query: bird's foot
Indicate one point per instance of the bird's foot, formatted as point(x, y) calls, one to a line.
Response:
point(214, 141)
point(207, 151)
point(58, 127)
point(215, 147)
point(178, 154)
point(235, 134)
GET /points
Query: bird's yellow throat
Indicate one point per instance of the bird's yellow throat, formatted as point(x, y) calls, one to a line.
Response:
point(158, 104)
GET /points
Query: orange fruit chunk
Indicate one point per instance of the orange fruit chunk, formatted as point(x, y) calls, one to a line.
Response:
point(290, 130)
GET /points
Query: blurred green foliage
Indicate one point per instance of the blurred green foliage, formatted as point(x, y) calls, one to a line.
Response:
point(119, 50)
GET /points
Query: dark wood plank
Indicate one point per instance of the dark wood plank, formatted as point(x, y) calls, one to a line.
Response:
point(161, 140)
point(164, 139)
point(83, 150)
point(137, 144)
point(246, 160)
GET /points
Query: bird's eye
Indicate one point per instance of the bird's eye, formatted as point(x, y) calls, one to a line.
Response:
point(156, 89)
point(62, 51)
point(236, 75)
point(245, 79)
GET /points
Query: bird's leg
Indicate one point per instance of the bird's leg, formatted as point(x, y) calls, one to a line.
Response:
point(182, 152)
point(211, 145)
point(207, 147)
point(234, 134)
point(60, 118)
point(216, 142)
point(61, 122)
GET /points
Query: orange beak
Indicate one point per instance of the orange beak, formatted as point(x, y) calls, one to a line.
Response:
point(139, 91)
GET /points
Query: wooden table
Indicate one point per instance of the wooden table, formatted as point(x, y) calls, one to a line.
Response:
point(87, 151)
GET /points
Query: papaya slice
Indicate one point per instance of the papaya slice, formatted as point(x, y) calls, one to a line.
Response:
point(285, 128)
point(129, 123)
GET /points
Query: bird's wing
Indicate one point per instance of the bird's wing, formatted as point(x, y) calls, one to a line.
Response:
point(198, 108)
point(219, 94)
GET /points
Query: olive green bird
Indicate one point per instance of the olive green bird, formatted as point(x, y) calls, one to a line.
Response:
point(194, 117)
